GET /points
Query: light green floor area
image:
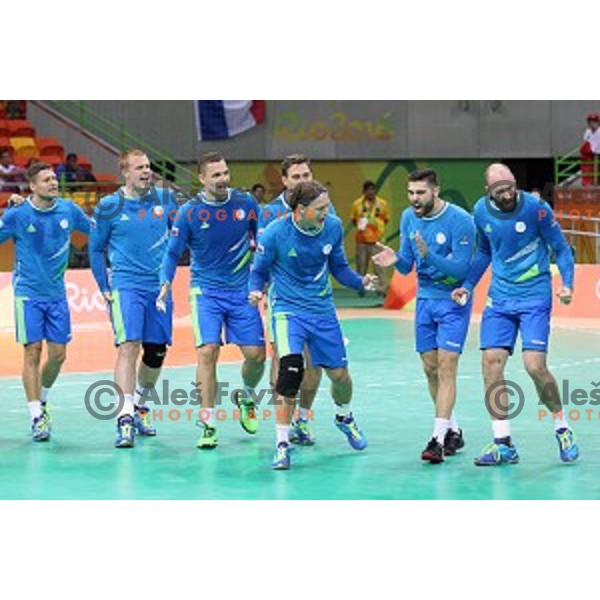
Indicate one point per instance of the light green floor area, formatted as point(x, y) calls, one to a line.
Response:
point(390, 404)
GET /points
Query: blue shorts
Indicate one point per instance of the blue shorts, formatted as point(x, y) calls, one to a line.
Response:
point(38, 320)
point(441, 324)
point(322, 335)
point(228, 312)
point(503, 319)
point(135, 317)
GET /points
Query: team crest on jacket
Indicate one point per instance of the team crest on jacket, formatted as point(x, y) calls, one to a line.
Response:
point(520, 227)
point(327, 249)
point(64, 224)
point(158, 211)
point(239, 214)
point(440, 238)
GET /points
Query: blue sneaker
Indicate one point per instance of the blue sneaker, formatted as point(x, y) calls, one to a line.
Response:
point(143, 425)
point(40, 426)
point(301, 433)
point(497, 454)
point(125, 432)
point(569, 452)
point(349, 428)
point(281, 460)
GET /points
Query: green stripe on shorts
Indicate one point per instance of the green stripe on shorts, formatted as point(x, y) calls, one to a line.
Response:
point(194, 293)
point(21, 328)
point(117, 317)
point(281, 334)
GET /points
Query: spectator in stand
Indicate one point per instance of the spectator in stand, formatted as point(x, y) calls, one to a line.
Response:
point(590, 151)
point(258, 192)
point(10, 175)
point(71, 172)
point(370, 215)
point(15, 109)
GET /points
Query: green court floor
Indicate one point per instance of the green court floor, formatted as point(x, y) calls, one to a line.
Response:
point(391, 405)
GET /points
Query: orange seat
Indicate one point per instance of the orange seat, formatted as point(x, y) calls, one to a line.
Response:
point(21, 161)
point(27, 152)
point(52, 160)
point(84, 163)
point(20, 128)
point(50, 147)
point(106, 178)
point(6, 145)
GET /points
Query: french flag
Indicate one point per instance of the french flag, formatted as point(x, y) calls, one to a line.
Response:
point(222, 119)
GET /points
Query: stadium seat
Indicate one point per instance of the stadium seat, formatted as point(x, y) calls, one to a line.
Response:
point(87, 200)
point(84, 163)
point(21, 142)
point(21, 161)
point(20, 128)
point(106, 178)
point(3, 129)
point(52, 160)
point(6, 145)
point(49, 146)
point(24, 147)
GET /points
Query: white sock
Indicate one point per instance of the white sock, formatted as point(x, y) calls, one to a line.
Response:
point(128, 406)
point(207, 415)
point(137, 395)
point(35, 409)
point(283, 434)
point(45, 392)
point(303, 413)
point(560, 422)
point(343, 410)
point(439, 429)
point(454, 423)
point(501, 429)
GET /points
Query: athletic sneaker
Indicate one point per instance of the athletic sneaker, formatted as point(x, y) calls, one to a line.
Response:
point(208, 440)
point(301, 433)
point(281, 460)
point(40, 426)
point(347, 425)
point(248, 419)
point(125, 432)
point(434, 452)
point(453, 442)
point(143, 425)
point(569, 452)
point(497, 454)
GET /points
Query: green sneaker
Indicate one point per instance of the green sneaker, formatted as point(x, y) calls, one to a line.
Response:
point(40, 427)
point(208, 440)
point(248, 419)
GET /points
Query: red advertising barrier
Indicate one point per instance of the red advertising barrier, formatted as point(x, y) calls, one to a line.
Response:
point(586, 301)
point(92, 347)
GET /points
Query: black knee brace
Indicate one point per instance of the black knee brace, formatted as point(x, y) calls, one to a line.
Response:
point(154, 355)
point(289, 378)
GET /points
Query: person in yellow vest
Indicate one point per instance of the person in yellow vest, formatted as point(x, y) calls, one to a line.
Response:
point(370, 215)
